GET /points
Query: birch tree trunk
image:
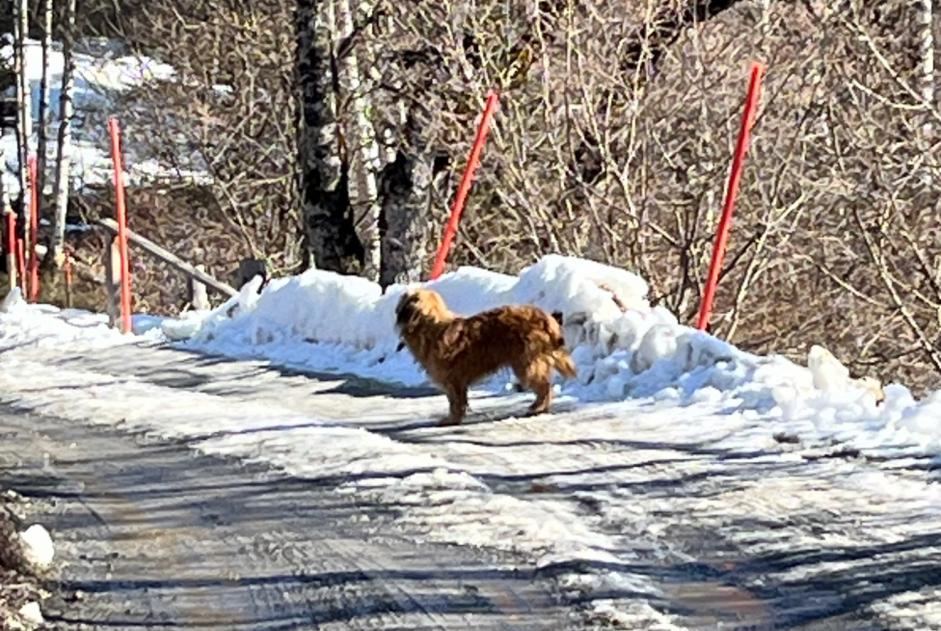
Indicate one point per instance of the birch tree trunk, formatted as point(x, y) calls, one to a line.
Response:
point(64, 138)
point(41, 139)
point(23, 104)
point(361, 143)
point(926, 46)
point(9, 261)
point(330, 230)
point(405, 184)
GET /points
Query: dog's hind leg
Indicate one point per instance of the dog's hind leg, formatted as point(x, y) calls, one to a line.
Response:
point(519, 370)
point(537, 380)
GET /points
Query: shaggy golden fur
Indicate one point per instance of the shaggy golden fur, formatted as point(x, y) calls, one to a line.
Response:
point(456, 351)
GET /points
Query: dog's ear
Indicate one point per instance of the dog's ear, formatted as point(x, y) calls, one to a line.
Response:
point(405, 309)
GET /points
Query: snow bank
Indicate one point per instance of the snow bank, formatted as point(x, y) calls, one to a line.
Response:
point(46, 325)
point(623, 347)
point(613, 330)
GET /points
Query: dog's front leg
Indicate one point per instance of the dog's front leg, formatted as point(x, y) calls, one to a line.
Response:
point(457, 400)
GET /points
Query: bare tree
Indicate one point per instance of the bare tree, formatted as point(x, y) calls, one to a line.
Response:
point(406, 196)
point(64, 138)
point(351, 44)
point(41, 135)
point(324, 168)
point(23, 101)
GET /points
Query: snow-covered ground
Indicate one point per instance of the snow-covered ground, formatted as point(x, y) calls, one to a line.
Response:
point(668, 434)
point(624, 349)
point(104, 71)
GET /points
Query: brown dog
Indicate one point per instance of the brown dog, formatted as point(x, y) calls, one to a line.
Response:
point(456, 351)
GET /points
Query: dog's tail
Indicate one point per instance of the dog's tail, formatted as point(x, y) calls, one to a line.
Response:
point(562, 362)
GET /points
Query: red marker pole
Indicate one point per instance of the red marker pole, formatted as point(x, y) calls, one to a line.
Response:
point(735, 178)
point(121, 217)
point(67, 270)
point(21, 264)
point(458, 206)
point(33, 229)
point(11, 247)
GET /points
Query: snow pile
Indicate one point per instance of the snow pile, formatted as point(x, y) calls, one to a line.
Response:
point(623, 347)
point(37, 546)
point(31, 615)
point(103, 71)
point(46, 325)
point(613, 330)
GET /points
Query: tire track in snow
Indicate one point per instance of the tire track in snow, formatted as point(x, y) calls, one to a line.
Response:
point(194, 542)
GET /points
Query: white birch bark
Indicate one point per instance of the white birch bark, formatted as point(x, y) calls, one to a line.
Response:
point(405, 185)
point(330, 232)
point(24, 118)
point(64, 138)
point(41, 136)
point(361, 143)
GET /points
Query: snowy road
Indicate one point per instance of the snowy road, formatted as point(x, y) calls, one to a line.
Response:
point(642, 513)
point(155, 536)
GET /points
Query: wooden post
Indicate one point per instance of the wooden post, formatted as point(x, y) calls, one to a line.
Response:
point(198, 294)
point(249, 269)
point(112, 261)
point(168, 257)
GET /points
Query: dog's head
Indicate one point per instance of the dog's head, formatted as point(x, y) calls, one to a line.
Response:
point(423, 304)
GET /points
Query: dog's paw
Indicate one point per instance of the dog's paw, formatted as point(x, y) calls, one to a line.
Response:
point(449, 421)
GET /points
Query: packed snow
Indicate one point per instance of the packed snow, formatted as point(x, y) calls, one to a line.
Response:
point(104, 71)
point(641, 374)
